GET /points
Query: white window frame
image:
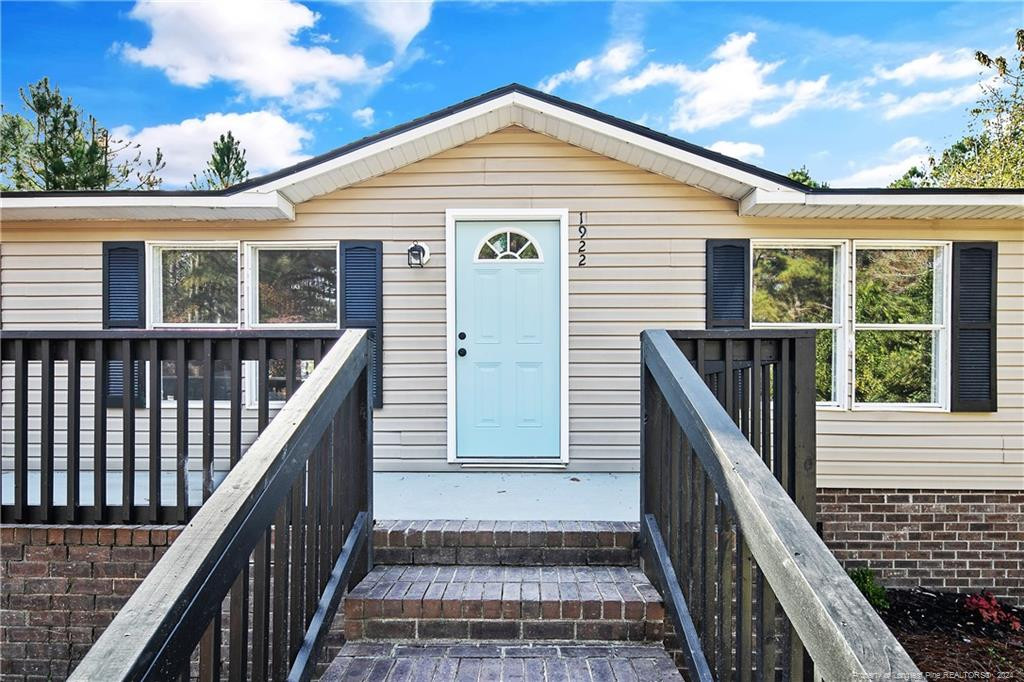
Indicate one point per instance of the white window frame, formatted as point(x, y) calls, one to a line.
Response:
point(839, 325)
point(250, 390)
point(252, 262)
point(941, 357)
point(154, 281)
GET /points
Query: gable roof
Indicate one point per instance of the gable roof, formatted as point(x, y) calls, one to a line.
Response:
point(759, 192)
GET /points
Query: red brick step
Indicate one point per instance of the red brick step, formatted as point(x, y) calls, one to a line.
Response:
point(555, 662)
point(612, 603)
point(506, 543)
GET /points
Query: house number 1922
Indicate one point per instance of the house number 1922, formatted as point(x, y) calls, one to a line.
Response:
point(582, 249)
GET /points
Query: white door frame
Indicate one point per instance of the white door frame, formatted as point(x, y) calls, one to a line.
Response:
point(453, 215)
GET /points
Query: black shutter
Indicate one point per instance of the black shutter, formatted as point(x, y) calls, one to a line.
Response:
point(124, 307)
point(727, 282)
point(973, 364)
point(361, 302)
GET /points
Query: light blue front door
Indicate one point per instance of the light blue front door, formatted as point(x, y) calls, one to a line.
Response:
point(507, 364)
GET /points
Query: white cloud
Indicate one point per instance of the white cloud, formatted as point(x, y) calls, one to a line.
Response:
point(364, 116)
point(919, 103)
point(956, 64)
point(803, 94)
point(270, 142)
point(908, 152)
point(253, 47)
point(400, 21)
point(738, 150)
point(732, 87)
point(617, 58)
point(907, 144)
point(880, 175)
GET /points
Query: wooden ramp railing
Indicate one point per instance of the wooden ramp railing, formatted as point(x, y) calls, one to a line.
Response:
point(297, 509)
point(720, 531)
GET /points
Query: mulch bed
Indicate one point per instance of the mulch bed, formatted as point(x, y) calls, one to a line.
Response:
point(947, 641)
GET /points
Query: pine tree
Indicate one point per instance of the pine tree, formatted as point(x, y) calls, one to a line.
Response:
point(226, 166)
point(802, 175)
point(58, 147)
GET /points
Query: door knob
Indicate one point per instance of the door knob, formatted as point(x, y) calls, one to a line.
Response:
point(462, 352)
point(462, 336)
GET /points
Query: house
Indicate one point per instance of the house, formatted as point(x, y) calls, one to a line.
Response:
point(505, 254)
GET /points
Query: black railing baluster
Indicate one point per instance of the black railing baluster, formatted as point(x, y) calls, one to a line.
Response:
point(155, 431)
point(296, 562)
point(311, 513)
point(208, 418)
point(744, 609)
point(181, 441)
point(99, 428)
point(129, 376)
point(235, 390)
point(280, 653)
point(20, 431)
point(46, 422)
point(74, 431)
point(337, 456)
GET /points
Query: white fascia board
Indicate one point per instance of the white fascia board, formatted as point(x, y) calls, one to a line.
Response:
point(683, 156)
point(409, 136)
point(758, 199)
point(241, 206)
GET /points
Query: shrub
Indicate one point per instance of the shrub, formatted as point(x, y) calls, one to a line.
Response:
point(991, 611)
point(864, 579)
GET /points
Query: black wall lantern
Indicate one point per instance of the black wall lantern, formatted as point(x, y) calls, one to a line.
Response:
point(419, 255)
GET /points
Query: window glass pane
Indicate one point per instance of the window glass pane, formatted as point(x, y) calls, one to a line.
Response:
point(793, 285)
point(298, 286)
point(895, 286)
point(194, 388)
point(277, 382)
point(509, 246)
point(199, 286)
point(824, 363)
point(894, 366)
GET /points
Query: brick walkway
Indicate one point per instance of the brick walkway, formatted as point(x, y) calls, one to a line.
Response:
point(434, 661)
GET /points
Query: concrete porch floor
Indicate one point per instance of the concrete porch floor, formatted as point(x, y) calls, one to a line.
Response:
point(518, 496)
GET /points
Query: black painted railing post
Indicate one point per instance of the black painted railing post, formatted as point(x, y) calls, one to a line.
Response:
point(366, 407)
point(645, 379)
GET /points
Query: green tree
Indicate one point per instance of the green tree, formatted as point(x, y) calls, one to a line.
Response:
point(802, 175)
point(226, 166)
point(991, 154)
point(55, 146)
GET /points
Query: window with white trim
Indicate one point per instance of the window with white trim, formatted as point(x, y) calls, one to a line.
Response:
point(293, 285)
point(800, 284)
point(194, 285)
point(900, 324)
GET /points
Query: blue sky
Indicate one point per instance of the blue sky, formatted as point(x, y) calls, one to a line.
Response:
point(857, 92)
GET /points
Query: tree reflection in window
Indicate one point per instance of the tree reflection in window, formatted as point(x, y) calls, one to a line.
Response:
point(508, 245)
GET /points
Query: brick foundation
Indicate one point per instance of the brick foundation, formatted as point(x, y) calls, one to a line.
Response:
point(60, 586)
point(950, 540)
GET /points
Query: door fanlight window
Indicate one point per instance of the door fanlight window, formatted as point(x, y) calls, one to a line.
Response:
point(508, 245)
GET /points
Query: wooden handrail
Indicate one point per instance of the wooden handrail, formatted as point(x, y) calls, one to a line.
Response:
point(155, 633)
point(842, 633)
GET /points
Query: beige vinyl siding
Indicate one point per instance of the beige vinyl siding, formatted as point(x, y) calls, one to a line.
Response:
point(645, 269)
